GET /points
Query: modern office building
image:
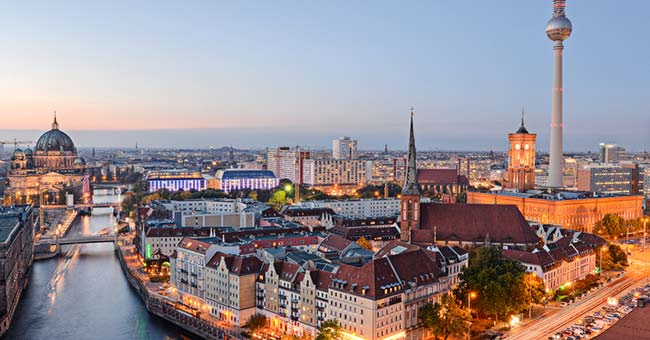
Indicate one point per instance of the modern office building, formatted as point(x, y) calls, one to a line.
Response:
point(241, 179)
point(344, 148)
point(609, 179)
point(286, 162)
point(611, 153)
point(175, 180)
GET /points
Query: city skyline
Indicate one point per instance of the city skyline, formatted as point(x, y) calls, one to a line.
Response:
point(184, 69)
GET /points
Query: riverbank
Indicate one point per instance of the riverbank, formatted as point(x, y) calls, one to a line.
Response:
point(161, 305)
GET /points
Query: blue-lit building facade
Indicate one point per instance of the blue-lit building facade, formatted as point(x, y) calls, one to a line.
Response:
point(175, 180)
point(239, 179)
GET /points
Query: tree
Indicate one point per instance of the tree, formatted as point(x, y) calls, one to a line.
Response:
point(257, 322)
point(364, 243)
point(329, 330)
point(498, 282)
point(278, 198)
point(444, 318)
point(614, 258)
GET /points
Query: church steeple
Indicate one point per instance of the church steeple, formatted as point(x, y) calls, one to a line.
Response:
point(411, 186)
point(55, 124)
point(410, 197)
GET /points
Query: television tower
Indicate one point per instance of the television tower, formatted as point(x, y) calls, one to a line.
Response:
point(558, 29)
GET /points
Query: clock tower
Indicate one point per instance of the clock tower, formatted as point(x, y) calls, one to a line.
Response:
point(521, 159)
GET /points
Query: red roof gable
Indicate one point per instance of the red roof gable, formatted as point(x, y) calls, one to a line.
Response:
point(473, 223)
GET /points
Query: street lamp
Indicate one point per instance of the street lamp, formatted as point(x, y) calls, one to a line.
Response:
point(645, 221)
point(603, 248)
point(470, 296)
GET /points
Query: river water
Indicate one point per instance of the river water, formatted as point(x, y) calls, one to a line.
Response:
point(83, 294)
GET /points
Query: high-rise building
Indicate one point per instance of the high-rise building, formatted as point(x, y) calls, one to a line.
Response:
point(344, 148)
point(558, 29)
point(521, 159)
point(286, 162)
point(609, 179)
point(410, 197)
point(611, 153)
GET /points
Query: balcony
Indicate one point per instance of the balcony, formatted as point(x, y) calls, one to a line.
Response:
point(295, 318)
point(184, 271)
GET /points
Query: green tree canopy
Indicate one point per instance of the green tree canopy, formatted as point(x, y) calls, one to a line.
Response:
point(330, 330)
point(499, 283)
point(257, 322)
point(445, 318)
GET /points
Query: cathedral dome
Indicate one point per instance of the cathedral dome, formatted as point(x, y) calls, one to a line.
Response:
point(28, 152)
point(55, 140)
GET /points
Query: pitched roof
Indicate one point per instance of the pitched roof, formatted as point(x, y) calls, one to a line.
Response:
point(376, 278)
point(334, 243)
point(194, 245)
point(237, 265)
point(473, 223)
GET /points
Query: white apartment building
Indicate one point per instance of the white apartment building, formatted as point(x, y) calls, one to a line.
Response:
point(360, 208)
point(209, 206)
point(344, 148)
point(326, 172)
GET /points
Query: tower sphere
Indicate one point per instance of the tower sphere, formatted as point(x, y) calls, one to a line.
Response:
point(559, 28)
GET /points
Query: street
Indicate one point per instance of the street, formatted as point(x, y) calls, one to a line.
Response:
point(558, 319)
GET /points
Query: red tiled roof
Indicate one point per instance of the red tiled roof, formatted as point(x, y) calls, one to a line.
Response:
point(286, 270)
point(376, 276)
point(473, 223)
point(237, 265)
point(386, 250)
point(194, 245)
point(335, 242)
point(321, 278)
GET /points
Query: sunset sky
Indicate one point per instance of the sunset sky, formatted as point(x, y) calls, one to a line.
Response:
point(265, 73)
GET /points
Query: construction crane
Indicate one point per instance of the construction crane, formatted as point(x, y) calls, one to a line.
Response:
point(14, 142)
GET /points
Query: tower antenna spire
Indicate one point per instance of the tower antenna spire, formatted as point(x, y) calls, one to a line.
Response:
point(522, 116)
point(55, 124)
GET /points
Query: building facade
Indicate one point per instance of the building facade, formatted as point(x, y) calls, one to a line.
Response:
point(16, 257)
point(175, 180)
point(609, 179)
point(577, 211)
point(238, 179)
point(328, 172)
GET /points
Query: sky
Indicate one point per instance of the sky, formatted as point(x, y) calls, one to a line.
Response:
point(268, 73)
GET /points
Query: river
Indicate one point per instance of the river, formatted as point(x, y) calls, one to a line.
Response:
point(83, 294)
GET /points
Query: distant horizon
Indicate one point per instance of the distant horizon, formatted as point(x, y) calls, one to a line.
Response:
point(242, 138)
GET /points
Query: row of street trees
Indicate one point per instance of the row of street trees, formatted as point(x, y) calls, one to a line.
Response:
point(616, 226)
